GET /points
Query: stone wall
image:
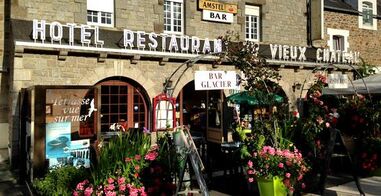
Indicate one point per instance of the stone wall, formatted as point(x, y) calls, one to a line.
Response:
point(284, 22)
point(33, 69)
point(367, 42)
point(279, 24)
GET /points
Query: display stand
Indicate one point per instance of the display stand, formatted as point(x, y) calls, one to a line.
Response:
point(336, 140)
point(192, 158)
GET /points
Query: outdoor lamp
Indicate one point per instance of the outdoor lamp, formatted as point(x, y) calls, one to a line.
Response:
point(296, 86)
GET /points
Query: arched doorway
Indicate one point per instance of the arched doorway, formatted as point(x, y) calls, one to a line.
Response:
point(122, 101)
point(203, 111)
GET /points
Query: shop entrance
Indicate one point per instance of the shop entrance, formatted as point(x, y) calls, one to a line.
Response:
point(202, 111)
point(192, 106)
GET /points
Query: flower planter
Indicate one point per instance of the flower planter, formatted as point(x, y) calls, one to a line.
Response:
point(271, 187)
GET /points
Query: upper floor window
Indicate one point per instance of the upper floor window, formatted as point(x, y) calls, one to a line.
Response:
point(338, 39)
point(100, 12)
point(367, 13)
point(173, 16)
point(252, 23)
point(368, 9)
point(338, 42)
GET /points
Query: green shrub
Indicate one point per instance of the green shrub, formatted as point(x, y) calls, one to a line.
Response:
point(60, 181)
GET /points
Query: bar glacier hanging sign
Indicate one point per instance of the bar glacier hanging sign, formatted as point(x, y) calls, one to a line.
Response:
point(213, 80)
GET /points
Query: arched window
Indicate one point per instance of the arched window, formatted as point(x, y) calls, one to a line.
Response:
point(122, 103)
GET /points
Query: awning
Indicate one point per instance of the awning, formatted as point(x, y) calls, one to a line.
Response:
point(371, 84)
point(255, 98)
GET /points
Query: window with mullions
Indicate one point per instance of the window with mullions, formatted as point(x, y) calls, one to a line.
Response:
point(123, 104)
point(100, 12)
point(173, 16)
point(252, 23)
point(367, 13)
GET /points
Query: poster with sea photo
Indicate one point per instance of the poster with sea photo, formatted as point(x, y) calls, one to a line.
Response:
point(57, 139)
point(80, 152)
point(78, 155)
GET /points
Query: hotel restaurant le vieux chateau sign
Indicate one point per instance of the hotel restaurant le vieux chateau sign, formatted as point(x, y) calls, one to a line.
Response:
point(70, 35)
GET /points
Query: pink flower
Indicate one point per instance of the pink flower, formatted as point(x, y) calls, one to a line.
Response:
point(250, 171)
point(88, 191)
point(303, 186)
point(80, 186)
point(151, 155)
point(300, 177)
point(138, 157)
point(127, 159)
point(271, 151)
point(250, 164)
point(110, 193)
point(110, 187)
point(110, 180)
point(251, 179)
point(288, 175)
point(287, 182)
point(75, 193)
point(122, 187)
point(134, 191)
point(280, 165)
point(137, 167)
point(121, 180)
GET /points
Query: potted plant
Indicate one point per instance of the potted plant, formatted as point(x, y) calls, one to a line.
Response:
point(276, 170)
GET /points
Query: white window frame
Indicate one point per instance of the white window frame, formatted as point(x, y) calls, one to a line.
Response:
point(338, 32)
point(360, 18)
point(252, 11)
point(100, 7)
point(172, 17)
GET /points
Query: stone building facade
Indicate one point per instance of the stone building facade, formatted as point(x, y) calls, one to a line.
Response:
point(347, 16)
point(34, 63)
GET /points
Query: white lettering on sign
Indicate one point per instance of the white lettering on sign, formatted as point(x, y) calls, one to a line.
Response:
point(285, 52)
point(217, 16)
point(209, 80)
point(71, 108)
point(131, 41)
point(328, 56)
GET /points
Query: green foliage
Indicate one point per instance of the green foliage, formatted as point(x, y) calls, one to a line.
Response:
point(60, 181)
point(244, 55)
point(126, 147)
point(366, 69)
